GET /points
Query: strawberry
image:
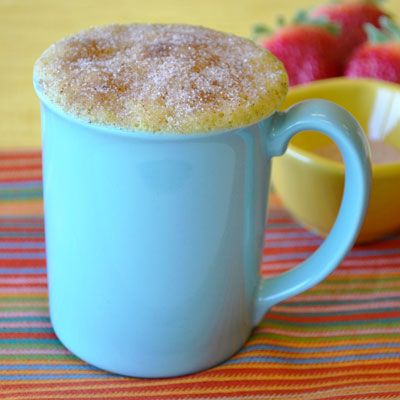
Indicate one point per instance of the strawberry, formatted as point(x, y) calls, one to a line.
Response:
point(379, 58)
point(351, 17)
point(306, 47)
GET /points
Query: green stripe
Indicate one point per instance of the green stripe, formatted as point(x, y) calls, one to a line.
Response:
point(38, 318)
point(22, 234)
point(333, 302)
point(7, 195)
point(23, 299)
point(332, 326)
point(336, 312)
point(350, 290)
point(322, 339)
point(376, 279)
point(29, 344)
point(28, 308)
point(65, 357)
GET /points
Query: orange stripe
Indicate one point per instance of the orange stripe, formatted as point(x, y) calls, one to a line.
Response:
point(16, 306)
point(220, 374)
point(365, 396)
point(300, 345)
point(250, 374)
point(21, 175)
point(308, 367)
point(24, 284)
point(24, 294)
point(335, 318)
point(24, 155)
point(30, 207)
point(237, 390)
point(271, 250)
point(99, 387)
point(12, 162)
point(321, 355)
point(37, 179)
point(22, 229)
point(381, 245)
point(20, 167)
point(39, 371)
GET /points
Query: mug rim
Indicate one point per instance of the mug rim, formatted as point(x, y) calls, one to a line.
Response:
point(136, 134)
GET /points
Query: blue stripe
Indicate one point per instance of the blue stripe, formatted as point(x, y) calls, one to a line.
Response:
point(5, 343)
point(353, 253)
point(282, 225)
point(22, 184)
point(22, 234)
point(20, 194)
point(317, 350)
point(340, 359)
point(334, 302)
point(336, 312)
point(374, 252)
point(33, 217)
point(45, 367)
point(21, 256)
point(273, 216)
point(279, 212)
point(293, 243)
point(22, 245)
point(26, 271)
point(25, 319)
point(285, 256)
point(333, 324)
point(288, 235)
point(17, 224)
point(54, 376)
point(26, 330)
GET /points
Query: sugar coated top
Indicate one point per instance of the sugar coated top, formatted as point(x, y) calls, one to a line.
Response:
point(161, 78)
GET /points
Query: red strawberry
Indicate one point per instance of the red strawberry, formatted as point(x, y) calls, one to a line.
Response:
point(379, 58)
point(351, 17)
point(306, 48)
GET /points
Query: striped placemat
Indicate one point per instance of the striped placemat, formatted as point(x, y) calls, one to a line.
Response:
point(339, 340)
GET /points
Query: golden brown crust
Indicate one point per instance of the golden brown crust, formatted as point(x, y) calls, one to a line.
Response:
point(161, 78)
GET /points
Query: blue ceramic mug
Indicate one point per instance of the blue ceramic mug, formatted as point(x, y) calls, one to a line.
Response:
point(154, 241)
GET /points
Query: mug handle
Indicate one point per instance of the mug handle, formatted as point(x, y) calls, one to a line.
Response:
point(344, 130)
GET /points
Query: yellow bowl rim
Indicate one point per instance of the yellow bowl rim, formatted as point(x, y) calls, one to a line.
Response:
point(320, 161)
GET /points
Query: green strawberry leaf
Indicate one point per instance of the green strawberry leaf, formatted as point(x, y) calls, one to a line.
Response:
point(303, 18)
point(390, 27)
point(281, 21)
point(260, 30)
point(389, 31)
point(377, 3)
point(374, 34)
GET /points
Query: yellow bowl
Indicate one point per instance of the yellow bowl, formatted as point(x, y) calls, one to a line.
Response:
point(311, 186)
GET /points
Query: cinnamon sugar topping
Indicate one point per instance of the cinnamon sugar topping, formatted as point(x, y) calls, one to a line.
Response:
point(161, 78)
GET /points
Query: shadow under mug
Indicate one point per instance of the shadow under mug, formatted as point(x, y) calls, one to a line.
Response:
point(154, 241)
